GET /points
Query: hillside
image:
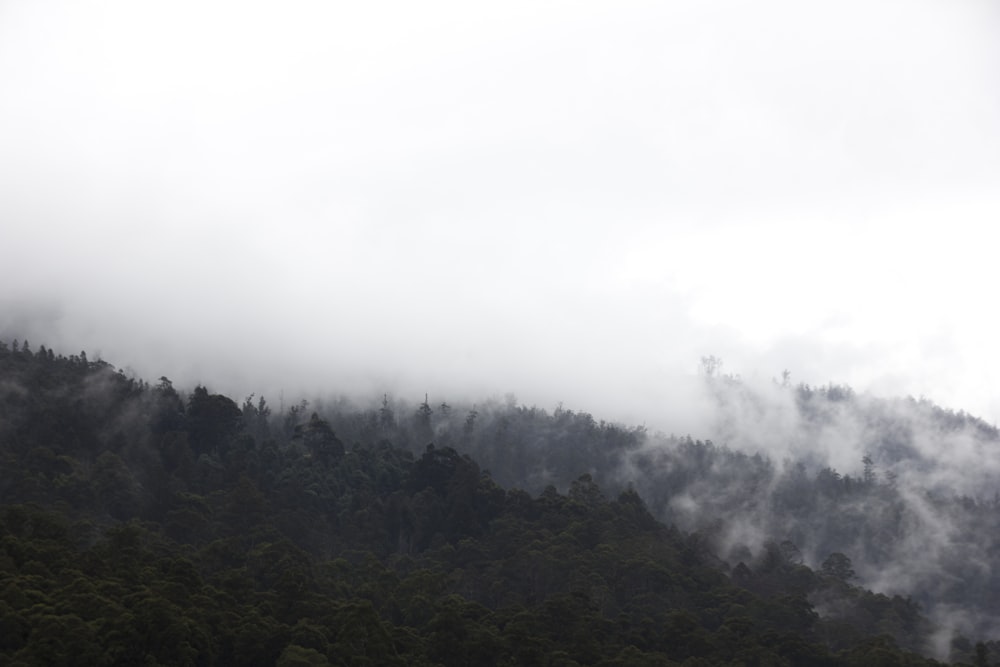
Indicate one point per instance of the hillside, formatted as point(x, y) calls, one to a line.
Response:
point(141, 523)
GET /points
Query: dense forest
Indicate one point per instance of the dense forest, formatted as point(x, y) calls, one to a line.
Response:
point(146, 524)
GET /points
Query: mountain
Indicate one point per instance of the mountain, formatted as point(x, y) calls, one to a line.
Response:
point(145, 524)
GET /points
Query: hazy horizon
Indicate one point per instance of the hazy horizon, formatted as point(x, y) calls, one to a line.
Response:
point(565, 201)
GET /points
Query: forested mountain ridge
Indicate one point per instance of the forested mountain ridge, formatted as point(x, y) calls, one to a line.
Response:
point(138, 524)
point(906, 489)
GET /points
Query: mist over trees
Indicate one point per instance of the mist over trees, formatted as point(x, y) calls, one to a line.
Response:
point(809, 526)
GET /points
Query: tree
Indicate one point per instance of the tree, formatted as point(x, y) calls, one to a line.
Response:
point(838, 566)
point(869, 472)
point(212, 419)
point(322, 443)
point(423, 420)
point(168, 413)
point(982, 655)
point(470, 422)
point(386, 417)
point(790, 553)
point(256, 418)
point(711, 366)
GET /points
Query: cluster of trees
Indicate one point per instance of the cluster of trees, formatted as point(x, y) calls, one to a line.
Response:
point(142, 525)
point(916, 511)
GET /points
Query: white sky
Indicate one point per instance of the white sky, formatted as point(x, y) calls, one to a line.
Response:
point(567, 200)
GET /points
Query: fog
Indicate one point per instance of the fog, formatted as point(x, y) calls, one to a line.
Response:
point(566, 201)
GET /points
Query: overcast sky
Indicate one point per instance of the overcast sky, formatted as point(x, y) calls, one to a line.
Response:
point(569, 201)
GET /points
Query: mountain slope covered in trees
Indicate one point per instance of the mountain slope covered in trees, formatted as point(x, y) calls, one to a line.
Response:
point(139, 523)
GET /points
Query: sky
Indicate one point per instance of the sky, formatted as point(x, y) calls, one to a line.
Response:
point(566, 201)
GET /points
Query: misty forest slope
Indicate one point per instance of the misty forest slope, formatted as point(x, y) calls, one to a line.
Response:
point(141, 525)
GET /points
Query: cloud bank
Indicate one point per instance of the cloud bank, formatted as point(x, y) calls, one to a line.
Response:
point(567, 201)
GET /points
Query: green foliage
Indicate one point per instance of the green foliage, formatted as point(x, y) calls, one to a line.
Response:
point(838, 566)
point(137, 529)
